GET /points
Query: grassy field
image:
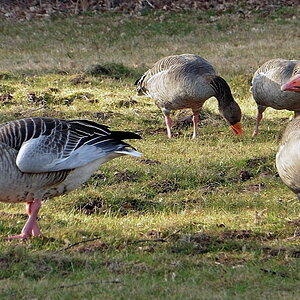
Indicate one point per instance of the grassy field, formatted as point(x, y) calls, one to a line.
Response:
point(191, 219)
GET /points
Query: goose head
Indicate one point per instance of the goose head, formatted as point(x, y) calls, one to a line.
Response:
point(232, 114)
point(228, 107)
point(292, 85)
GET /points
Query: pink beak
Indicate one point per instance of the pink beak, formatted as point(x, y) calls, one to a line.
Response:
point(293, 85)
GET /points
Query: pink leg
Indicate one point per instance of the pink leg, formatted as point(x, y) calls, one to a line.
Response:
point(30, 206)
point(258, 119)
point(195, 123)
point(31, 227)
point(169, 125)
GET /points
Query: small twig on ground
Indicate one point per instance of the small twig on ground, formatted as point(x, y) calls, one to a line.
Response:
point(77, 243)
point(173, 233)
point(274, 273)
point(30, 110)
point(87, 282)
point(150, 4)
point(128, 243)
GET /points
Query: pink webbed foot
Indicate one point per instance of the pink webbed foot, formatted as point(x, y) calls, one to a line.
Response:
point(21, 236)
point(31, 227)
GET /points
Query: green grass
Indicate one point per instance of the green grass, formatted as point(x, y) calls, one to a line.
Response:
point(178, 223)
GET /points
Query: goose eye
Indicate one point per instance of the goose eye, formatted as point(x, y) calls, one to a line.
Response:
point(296, 71)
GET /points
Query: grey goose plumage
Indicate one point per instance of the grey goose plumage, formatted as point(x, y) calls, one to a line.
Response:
point(45, 157)
point(267, 85)
point(288, 156)
point(187, 81)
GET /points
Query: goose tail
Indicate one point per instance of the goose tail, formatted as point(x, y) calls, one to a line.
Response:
point(130, 151)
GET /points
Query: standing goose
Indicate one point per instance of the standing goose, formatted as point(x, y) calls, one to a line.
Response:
point(44, 157)
point(187, 81)
point(266, 87)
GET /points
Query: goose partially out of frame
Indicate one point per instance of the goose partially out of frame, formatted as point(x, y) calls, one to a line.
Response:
point(268, 87)
point(288, 155)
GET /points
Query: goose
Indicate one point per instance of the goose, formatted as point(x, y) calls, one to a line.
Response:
point(187, 81)
point(268, 87)
point(46, 157)
point(287, 157)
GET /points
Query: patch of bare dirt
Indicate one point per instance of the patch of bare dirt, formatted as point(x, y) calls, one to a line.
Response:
point(91, 247)
point(91, 206)
point(127, 103)
point(282, 251)
point(245, 175)
point(254, 187)
point(208, 189)
point(166, 186)
point(229, 260)
point(294, 222)
point(155, 131)
point(150, 162)
point(5, 99)
point(127, 175)
point(184, 120)
point(78, 79)
point(4, 263)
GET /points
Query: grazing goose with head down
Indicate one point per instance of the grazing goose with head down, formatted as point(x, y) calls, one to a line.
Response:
point(268, 87)
point(44, 157)
point(288, 155)
point(187, 81)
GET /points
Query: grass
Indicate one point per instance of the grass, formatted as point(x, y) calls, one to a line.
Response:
point(180, 222)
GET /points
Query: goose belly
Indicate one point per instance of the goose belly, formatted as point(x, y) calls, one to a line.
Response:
point(184, 94)
point(16, 186)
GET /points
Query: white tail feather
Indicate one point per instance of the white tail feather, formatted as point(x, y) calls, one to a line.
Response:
point(130, 152)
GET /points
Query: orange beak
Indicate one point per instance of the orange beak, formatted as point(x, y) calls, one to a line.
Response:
point(293, 85)
point(237, 128)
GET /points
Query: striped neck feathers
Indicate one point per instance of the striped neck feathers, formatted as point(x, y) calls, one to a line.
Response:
point(222, 91)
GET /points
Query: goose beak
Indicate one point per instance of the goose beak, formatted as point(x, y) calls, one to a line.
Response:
point(237, 128)
point(293, 85)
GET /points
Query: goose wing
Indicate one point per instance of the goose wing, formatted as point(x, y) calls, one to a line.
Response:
point(46, 145)
point(176, 66)
point(288, 156)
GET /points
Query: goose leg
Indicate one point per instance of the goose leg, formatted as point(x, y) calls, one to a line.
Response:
point(31, 227)
point(169, 125)
point(195, 124)
point(259, 117)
